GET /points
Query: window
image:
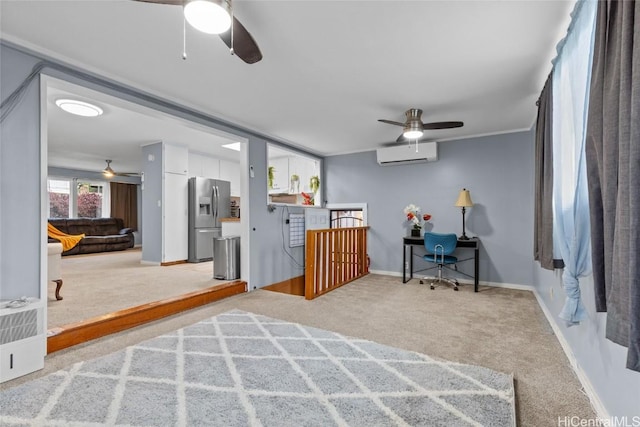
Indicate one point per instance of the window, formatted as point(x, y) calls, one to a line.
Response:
point(344, 215)
point(293, 178)
point(89, 199)
point(344, 219)
point(59, 194)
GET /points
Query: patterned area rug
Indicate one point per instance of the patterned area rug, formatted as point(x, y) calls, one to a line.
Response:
point(243, 369)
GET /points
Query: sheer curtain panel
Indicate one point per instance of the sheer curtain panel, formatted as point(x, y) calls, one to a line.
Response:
point(571, 232)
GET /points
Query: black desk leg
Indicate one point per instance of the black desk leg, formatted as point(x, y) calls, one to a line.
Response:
point(476, 268)
point(410, 262)
point(404, 263)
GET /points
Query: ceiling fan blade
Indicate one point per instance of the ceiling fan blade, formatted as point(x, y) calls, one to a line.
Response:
point(442, 125)
point(171, 2)
point(390, 122)
point(244, 46)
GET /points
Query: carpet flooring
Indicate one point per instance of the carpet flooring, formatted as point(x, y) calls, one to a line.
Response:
point(501, 329)
point(242, 369)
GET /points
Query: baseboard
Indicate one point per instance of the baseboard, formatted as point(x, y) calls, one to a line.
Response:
point(465, 281)
point(596, 403)
point(386, 273)
point(166, 264)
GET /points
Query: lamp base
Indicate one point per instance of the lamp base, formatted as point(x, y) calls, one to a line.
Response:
point(463, 237)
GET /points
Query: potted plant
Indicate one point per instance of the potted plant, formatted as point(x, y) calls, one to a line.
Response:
point(314, 183)
point(270, 171)
point(294, 188)
point(413, 215)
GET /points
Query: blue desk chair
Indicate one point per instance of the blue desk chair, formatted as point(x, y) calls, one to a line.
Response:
point(439, 248)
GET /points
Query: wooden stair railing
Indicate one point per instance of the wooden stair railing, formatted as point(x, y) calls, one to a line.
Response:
point(334, 256)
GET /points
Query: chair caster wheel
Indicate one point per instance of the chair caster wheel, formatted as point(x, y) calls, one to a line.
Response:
point(455, 289)
point(432, 287)
point(421, 282)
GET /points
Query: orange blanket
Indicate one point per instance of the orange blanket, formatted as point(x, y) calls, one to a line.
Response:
point(68, 240)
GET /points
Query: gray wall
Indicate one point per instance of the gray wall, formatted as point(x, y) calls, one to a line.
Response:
point(602, 361)
point(22, 236)
point(498, 171)
point(152, 213)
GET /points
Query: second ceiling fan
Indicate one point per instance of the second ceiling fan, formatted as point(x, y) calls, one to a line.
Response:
point(216, 17)
point(413, 128)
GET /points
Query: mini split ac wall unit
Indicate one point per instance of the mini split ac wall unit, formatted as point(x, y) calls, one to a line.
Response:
point(408, 154)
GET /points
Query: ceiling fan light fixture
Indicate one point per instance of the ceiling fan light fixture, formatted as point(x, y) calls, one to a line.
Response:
point(208, 16)
point(412, 131)
point(108, 172)
point(79, 108)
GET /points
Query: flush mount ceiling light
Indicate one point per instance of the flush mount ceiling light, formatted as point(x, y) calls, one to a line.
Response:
point(79, 108)
point(208, 16)
point(233, 146)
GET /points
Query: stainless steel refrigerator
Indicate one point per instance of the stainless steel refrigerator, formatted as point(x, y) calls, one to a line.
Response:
point(209, 200)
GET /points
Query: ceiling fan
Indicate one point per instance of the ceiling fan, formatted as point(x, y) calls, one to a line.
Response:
point(215, 17)
point(413, 128)
point(108, 172)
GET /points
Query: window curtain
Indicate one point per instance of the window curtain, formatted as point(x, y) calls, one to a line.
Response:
point(613, 164)
point(571, 227)
point(124, 203)
point(543, 230)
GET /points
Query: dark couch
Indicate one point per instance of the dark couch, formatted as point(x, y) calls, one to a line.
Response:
point(101, 234)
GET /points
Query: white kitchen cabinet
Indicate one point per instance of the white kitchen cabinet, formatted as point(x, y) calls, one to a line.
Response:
point(175, 158)
point(203, 165)
point(195, 164)
point(211, 167)
point(230, 171)
point(174, 217)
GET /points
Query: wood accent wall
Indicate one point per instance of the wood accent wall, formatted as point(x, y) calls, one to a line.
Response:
point(334, 257)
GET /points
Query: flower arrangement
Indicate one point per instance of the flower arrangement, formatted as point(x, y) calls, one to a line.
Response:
point(307, 199)
point(413, 215)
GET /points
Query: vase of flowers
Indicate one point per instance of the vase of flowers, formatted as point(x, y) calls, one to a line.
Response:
point(416, 219)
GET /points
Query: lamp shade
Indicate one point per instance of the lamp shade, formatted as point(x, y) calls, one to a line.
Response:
point(464, 199)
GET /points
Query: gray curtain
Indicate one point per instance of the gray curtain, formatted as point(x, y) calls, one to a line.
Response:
point(613, 169)
point(543, 228)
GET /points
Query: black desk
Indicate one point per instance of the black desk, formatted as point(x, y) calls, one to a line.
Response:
point(410, 241)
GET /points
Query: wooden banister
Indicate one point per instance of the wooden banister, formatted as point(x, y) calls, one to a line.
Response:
point(334, 256)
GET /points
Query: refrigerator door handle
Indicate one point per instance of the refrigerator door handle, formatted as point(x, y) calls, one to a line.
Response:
point(214, 199)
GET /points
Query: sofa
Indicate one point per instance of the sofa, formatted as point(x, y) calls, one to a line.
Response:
point(101, 234)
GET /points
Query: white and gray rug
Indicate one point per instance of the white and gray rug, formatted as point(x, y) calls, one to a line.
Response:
point(243, 369)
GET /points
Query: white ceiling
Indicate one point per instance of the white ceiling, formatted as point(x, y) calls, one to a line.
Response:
point(330, 68)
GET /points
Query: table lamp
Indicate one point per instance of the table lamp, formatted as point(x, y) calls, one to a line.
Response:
point(464, 202)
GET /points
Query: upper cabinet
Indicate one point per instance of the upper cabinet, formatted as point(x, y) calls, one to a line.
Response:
point(176, 158)
point(210, 167)
point(230, 171)
point(203, 165)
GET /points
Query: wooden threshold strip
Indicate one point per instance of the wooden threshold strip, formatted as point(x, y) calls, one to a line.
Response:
point(86, 330)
